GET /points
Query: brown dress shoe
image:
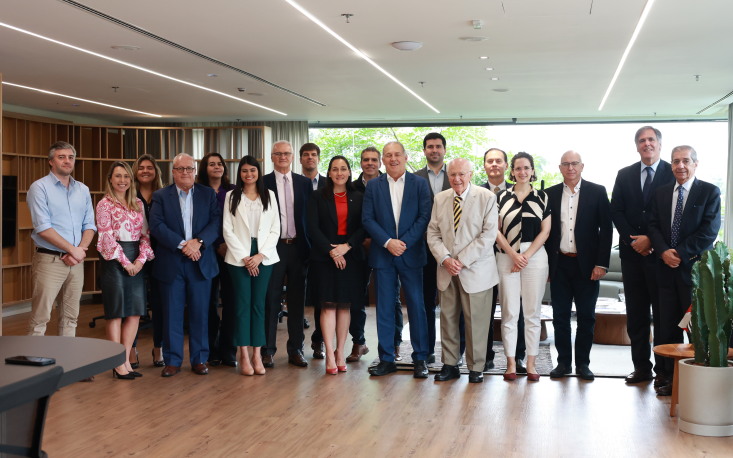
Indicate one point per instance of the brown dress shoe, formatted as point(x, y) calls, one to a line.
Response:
point(200, 369)
point(170, 371)
point(297, 359)
point(357, 351)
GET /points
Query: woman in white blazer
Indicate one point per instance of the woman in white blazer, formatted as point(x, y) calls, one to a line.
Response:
point(251, 231)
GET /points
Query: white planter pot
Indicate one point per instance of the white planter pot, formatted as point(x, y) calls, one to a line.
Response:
point(705, 399)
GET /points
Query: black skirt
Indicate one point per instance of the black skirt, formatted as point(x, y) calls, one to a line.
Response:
point(122, 294)
point(339, 286)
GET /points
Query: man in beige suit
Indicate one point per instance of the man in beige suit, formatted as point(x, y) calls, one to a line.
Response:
point(461, 237)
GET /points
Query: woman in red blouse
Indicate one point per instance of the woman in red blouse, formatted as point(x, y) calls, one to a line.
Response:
point(123, 246)
point(337, 257)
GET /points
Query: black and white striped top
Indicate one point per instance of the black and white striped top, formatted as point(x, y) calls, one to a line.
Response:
point(521, 222)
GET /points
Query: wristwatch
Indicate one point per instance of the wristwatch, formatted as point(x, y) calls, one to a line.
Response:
point(201, 241)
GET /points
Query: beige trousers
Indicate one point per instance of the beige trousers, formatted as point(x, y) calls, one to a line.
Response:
point(54, 281)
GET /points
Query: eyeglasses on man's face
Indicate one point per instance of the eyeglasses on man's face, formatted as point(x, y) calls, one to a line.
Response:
point(184, 169)
point(282, 154)
point(568, 164)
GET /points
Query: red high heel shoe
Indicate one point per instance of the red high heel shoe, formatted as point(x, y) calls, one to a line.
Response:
point(331, 371)
point(341, 368)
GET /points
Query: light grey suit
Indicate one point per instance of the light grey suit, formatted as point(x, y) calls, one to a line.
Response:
point(471, 290)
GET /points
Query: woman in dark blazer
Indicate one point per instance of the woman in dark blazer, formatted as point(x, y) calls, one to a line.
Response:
point(337, 256)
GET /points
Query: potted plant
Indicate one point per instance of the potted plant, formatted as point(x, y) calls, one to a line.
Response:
point(706, 381)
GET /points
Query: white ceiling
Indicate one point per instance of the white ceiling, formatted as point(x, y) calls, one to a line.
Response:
point(554, 58)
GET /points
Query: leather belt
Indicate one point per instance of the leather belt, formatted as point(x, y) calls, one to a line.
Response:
point(570, 255)
point(288, 241)
point(51, 252)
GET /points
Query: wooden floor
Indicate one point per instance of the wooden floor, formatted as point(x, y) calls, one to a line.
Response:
point(296, 412)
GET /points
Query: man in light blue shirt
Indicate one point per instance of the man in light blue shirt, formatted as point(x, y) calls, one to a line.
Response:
point(63, 227)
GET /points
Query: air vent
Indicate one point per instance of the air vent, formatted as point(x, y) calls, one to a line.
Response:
point(715, 103)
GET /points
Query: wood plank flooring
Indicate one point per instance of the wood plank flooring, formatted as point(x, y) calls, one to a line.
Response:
point(296, 412)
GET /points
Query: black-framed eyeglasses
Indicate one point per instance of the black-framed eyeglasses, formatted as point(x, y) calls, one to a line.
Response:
point(184, 169)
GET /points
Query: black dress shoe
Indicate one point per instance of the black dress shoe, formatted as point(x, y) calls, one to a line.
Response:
point(268, 361)
point(639, 376)
point(297, 359)
point(421, 369)
point(661, 380)
point(665, 390)
point(475, 377)
point(214, 362)
point(447, 373)
point(488, 365)
point(520, 367)
point(431, 358)
point(560, 371)
point(232, 363)
point(383, 368)
point(584, 372)
point(317, 350)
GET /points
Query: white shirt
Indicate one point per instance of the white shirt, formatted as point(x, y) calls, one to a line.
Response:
point(396, 190)
point(643, 171)
point(568, 215)
point(281, 202)
point(687, 185)
point(501, 186)
point(253, 210)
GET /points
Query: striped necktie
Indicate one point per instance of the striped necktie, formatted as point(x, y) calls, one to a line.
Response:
point(456, 212)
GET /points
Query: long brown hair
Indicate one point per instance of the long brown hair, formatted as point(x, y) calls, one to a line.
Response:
point(158, 181)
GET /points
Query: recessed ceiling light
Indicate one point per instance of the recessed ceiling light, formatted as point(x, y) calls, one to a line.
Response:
point(494, 78)
point(407, 45)
point(474, 39)
point(484, 57)
point(500, 90)
point(125, 47)
point(489, 68)
point(256, 94)
point(212, 75)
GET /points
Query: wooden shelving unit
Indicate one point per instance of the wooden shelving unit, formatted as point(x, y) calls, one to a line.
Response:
point(25, 142)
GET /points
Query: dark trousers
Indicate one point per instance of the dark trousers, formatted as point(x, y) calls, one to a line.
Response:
point(311, 299)
point(640, 291)
point(568, 284)
point(430, 292)
point(292, 267)
point(221, 330)
point(521, 350)
point(154, 302)
point(190, 289)
point(674, 299)
point(387, 288)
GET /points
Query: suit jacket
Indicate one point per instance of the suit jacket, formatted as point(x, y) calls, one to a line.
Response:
point(238, 235)
point(488, 186)
point(166, 225)
point(423, 172)
point(379, 221)
point(359, 185)
point(472, 243)
point(302, 188)
point(698, 229)
point(629, 213)
point(323, 225)
point(321, 181)
point(593, 229)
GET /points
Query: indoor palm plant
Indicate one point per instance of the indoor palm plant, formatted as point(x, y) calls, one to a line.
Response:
point(706, 382)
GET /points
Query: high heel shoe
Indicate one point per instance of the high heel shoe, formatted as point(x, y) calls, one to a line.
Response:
point(341, 368)
point(156, 363)
point(533, 377)
point(331, 371)
point(135, 364)
point(128, 376)
point(136, 374)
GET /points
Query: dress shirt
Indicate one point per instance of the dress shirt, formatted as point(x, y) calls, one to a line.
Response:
point(281, 201)
point(436, 179)
point(396, 190)
point(501, 186)
point(687, 185)
point(568, 213)
point(68, 210)
point(314, 181)
point(644, 172)
point(463, 197)
point(186, 201)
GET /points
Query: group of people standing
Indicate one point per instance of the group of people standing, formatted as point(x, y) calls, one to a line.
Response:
point(202, 241)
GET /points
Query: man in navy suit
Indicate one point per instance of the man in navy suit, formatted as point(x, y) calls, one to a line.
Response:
point(396, 213)
point(579, 250)
point(292, 192)
point(185, 220)
point(685, 222)
point(630, 212)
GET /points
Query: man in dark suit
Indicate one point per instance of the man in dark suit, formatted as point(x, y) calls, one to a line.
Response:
point(685, 222)
point(310, 156)
point(630, 212)
point(433, 146)
point(578, 250)
point(395, 214)
point(292, 192)
point(185, 220)
point(496, 164)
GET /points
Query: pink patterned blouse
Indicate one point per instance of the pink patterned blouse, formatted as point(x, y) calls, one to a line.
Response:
point(116, 223)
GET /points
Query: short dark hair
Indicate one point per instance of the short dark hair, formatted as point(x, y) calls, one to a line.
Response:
point(370, 149)
point(432, 136)
point(310, 147)
point(499, 150)
point(522, 155)
point(642, 129)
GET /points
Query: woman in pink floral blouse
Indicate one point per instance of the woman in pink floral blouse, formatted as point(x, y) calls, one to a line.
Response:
point(124, 246)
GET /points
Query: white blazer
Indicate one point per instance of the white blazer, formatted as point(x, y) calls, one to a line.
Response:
point(238, 236)
point(472, 243)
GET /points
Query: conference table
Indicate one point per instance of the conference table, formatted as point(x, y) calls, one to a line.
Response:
point(79, 357)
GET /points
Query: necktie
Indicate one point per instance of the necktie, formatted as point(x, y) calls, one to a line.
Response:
point(646, 190)
point(497, 190)
point(289, 208)
point(677, 217)
point(456, 212)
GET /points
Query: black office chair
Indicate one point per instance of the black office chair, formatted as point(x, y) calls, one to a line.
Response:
point(25, 404)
